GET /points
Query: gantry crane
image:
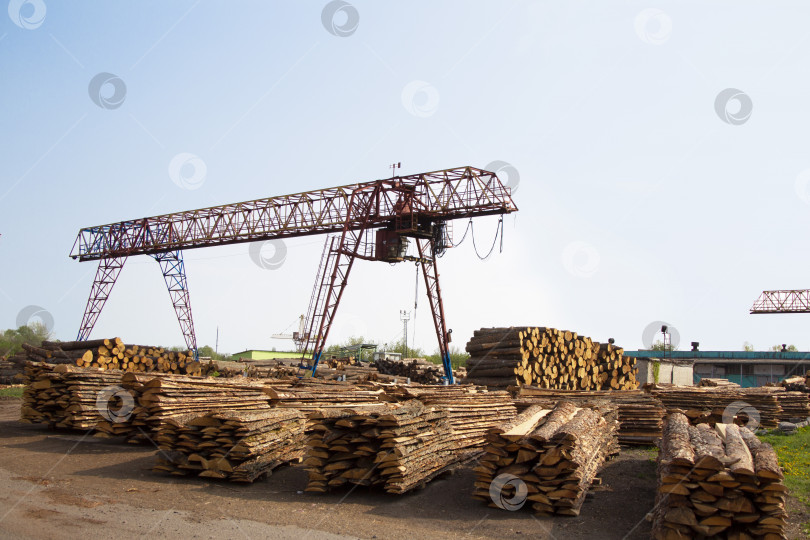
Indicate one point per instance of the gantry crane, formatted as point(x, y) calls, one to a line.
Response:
point(783, 301)
point(395, 210)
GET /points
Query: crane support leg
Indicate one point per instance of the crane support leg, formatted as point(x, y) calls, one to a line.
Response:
point(333, 278)
point(106, 275)
point(174, 273)
point(428, 262)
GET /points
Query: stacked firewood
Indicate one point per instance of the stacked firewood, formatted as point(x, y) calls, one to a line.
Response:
point(711, 405)
point(11, 370)
point(720, 482)
point(795, 405)
point(797, 384)
point(68, 397)
point(548, 358)
point(418, 370)
point(240, 446)
point(555, 453)
point(309, 395)
point(641, 415)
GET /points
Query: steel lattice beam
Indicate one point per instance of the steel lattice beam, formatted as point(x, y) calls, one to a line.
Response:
point(174, 273)
point(449, 194)
point(106, 275)
point(785, 301)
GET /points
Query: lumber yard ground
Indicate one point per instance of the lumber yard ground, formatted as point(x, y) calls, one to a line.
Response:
point(61, 485)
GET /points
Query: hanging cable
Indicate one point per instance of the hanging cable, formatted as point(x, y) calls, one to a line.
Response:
point(469, 226)
point(415, 303)
point(498, 231)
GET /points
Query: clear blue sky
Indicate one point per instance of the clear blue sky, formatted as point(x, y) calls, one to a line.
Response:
point(638, 202)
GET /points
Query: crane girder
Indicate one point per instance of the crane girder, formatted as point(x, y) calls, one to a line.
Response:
point(783, 301)
point(440, 195)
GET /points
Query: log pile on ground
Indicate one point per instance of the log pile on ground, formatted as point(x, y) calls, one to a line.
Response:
point(112, 354)
point(418, 370)
point(794, 405)
point(641, 415)
point(797, 384)
point(240, 446)
point(548, 358)
point(720, 482)
point(11, 369)
point(310, 395)
point(557, 453)
point(721, 405)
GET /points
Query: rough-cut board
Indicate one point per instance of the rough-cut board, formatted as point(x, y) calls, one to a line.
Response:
point(716, 482)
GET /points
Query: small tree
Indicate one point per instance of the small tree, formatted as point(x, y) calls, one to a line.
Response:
point(789, 348)
point(748, 347)
point(33, 334)
point(661, 346)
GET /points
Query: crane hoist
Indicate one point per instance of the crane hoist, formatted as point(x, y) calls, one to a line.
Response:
point(373, 221)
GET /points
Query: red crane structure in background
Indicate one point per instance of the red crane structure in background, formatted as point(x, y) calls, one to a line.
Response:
point(395, 210)
point(785, 301)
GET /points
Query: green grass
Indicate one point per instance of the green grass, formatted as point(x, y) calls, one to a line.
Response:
point(11, 392)
point(794, 458)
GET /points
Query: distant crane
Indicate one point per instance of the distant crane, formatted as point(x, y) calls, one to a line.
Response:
point(415, 207)
point(782, 301)
point(297, 337)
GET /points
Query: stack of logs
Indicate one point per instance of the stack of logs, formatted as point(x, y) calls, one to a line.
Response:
point(640, 414)
point(402, 445)
point(556, 453)
point(239, 446)
point(725, 383)
point(418, 370)
point(721, 482)
point(548, 358)
point(714, 405)
point(113, 354)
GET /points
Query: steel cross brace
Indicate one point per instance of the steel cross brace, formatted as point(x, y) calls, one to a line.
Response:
point(174, 273)
point(106, 275)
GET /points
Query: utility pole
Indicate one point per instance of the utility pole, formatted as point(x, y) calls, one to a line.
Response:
point(405, 316)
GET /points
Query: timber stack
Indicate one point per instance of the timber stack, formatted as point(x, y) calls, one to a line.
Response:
point(641, 415)
point(162, 398)
point(112, 354)
point(397, 446)
point(720, 482)
point(418, 370)
point(548, 358)
point(65, 396)
point(713, 382)
point(239, 446)
point(721, 405)
point(557, 453)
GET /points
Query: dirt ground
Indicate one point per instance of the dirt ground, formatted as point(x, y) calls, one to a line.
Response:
point(68, 485)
